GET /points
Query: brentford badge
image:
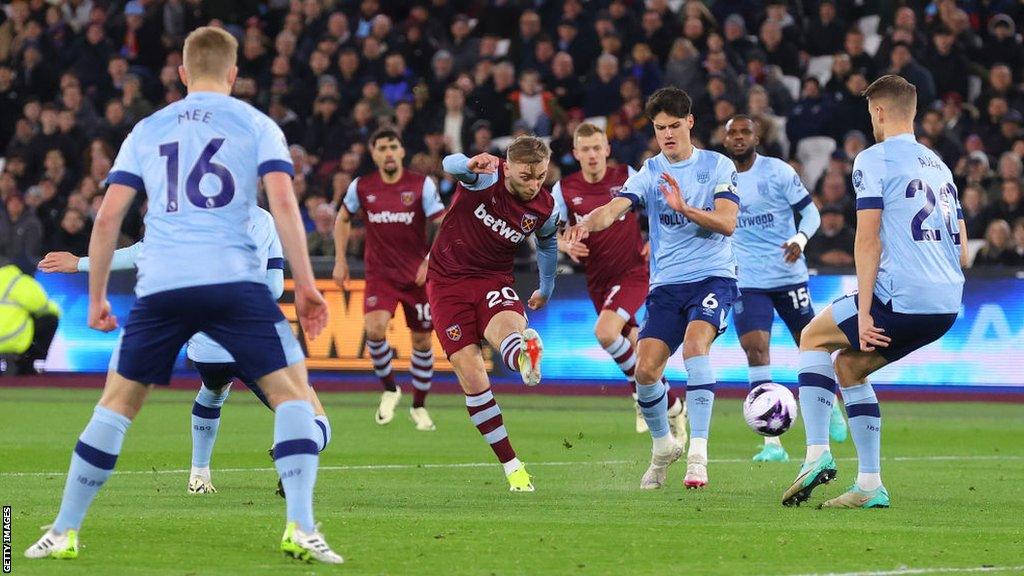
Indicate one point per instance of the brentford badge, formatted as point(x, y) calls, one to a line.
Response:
point(529, 222)
point(408, 198)
point(454, 332)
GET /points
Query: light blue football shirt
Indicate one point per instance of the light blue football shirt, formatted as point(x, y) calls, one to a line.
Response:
point(202, 348)
point(682, 251)
point(199, 161)
point(920, 267)
point(769, 192)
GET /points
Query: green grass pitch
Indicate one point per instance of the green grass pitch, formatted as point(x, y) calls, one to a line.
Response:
point(955, 473)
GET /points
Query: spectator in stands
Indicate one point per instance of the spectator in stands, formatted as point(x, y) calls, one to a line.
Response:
point(824, 34)
point(833, 244)
point(948, 64)
point(901, 62)
point(998, 245)
point(21, 234)
point(1002, 45)
point(565, 83)
point(656, 34)
point(1015, 255)
point(321, 239)
point(458, 120)
point(1010, 205)
point(779, 51)
point(947, 147)
point(972, 200)
point(644, 68)
point(811, 115)
point(602, 89)
point(860, 60)
point(683, 68)
point(73, 234)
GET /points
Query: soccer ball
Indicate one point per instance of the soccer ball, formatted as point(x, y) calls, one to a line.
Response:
point(770, 409)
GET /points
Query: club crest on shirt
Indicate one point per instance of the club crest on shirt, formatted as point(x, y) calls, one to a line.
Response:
point(529, 222)
point(408, 198)
point(796, 181)
point(371, 301)
point(858, 179)
point(454, 332)
point(371, 198)
point(576, 201)
point(703, 176)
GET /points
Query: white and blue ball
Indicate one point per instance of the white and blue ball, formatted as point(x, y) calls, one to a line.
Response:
point(770, 409)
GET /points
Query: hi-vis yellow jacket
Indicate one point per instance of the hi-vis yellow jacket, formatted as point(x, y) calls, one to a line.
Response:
point(21, 298)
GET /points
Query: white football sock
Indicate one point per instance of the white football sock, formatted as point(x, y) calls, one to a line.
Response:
point(814, 451)
point(869, 480)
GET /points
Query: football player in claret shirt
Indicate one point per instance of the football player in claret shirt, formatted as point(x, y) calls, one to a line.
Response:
point(615, 259)
point(498, 204)
point(396, 205)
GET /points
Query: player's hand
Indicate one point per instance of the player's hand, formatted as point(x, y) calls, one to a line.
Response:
point(575, 251)
point(311, 308)
point(575, 234)
point(645, 252)
point(421, 272)
point(870, 335)
point(59, 262)
point(673, 193)
point(483, 164)
point(794, 247)
point(340, 273)
point(537, 300)
point(101, 318)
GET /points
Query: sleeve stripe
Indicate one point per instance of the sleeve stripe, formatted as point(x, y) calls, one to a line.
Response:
point(727, 196)
point(275, 263)
point(802, 203)
point(127, 179)
point(959, 214)
point(869, 203)
point(276, 166)
point(634, 199)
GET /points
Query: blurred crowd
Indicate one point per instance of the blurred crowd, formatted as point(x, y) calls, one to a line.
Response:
point(465, 76)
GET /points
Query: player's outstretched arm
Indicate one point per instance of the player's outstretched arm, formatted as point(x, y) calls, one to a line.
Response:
point(66, 262)
point(965, 259)
point(547, 261)
point(867, 253)
point(476, 173)
point(309, 303)
point(105, 231)
point(597, 220)
point(721, 220)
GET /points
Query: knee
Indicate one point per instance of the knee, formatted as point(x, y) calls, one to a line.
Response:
point(692, 348)
point(605, 335)
point(847, 370)
point(376, 331)
point(421, 341)
point(646, 373)
point(757, 355)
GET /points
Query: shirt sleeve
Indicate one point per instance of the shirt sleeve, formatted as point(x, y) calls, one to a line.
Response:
point(457, 165)
point(725, 183)
point(637, 187)
point(432, 205)
point(560, 208)
point(272, 150)
point(550, 227)
point(123, 258)
point(793, 187)
point(867, 181)
point(127, 169)
point(351, 200)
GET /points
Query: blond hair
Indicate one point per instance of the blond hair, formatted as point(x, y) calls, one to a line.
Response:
point(900, 93)
point(528, 150)
point(586, 129)
point(209, 53)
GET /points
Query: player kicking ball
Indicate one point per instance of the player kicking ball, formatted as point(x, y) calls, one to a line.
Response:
point(217, 368)
point(615, 259)
point(769, 250)
point(498, 204)
point(198, 161)
point(910, 246)
point(691, 202)
point(396, 204)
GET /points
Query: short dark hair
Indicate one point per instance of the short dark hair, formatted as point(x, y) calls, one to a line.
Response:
point(670, 100)
point(746, 117)
point(384, 133)
point(896, 89)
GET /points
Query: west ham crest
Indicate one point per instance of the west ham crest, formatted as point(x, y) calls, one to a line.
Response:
point(371, 198)
point(529, 222)
point(576, 201)
point(454, 332)
point(408, 198)
point(371, 301)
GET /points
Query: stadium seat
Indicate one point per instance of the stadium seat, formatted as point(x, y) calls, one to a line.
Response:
point(973, 88)
point(813, 153)
point(793, 84)
point(599, 121)
point(780, 129)
point(821, 68)
point(869, 25)
point(871, 43)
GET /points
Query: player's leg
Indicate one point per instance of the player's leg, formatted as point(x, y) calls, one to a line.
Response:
point(320, 419)
point(376, 326)
point(249, 325)
point(158, 326)
point(422, 371)
point(794, 307)
point(755, 345)
point(216, 384)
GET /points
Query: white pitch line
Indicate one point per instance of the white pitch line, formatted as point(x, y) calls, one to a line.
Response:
point(372, 467)
point(910, 571)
